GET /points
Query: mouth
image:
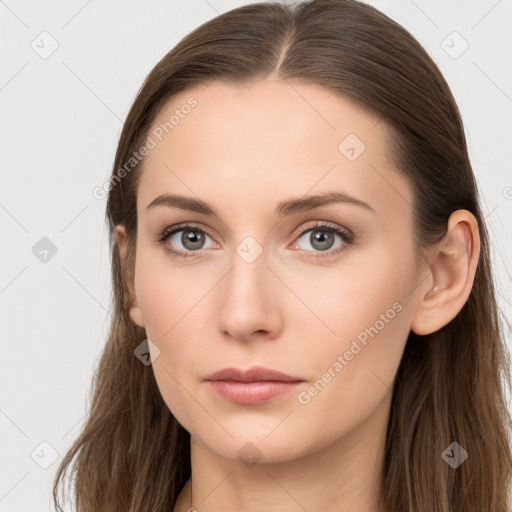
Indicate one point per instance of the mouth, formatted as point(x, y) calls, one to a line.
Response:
point(254, 386)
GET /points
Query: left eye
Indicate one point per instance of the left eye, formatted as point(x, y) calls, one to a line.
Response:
point(322, 238)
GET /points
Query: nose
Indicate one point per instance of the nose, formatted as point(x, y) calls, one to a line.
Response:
point(249, 298)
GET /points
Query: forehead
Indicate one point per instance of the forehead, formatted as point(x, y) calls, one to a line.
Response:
point(292, 110)
point(272, 138)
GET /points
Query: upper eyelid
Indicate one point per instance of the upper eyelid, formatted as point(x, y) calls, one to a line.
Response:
point(319, 224)
point(180, 227)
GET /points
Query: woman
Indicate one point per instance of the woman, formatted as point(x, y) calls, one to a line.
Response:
point(305, 316)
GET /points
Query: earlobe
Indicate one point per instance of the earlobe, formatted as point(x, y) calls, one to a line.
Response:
point(136, 316)
point(135, 312)
point(452, 273)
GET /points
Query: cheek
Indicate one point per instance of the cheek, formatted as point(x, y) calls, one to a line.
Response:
point(369, 313)
point(364, 295)
point(165, 292)
point(173, 304)
point(352, 368)
point(170, 302)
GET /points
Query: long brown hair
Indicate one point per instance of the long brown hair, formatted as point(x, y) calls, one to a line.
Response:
point(132, 455)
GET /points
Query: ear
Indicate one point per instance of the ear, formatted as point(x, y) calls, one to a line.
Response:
point(451, 275)
point(135, 311)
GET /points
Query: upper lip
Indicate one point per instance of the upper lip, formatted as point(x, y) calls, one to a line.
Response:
point(254, 374)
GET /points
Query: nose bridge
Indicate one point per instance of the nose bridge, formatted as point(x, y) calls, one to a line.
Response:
point(248, 279)
point(248, 301)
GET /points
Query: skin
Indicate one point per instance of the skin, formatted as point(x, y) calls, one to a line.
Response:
point(243, 150)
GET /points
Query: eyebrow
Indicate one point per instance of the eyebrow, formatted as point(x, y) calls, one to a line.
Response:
point(283, 209)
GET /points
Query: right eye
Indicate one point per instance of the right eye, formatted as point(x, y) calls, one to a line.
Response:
point(184, 240)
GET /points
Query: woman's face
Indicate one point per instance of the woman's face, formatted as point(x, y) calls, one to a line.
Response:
point(248, 289)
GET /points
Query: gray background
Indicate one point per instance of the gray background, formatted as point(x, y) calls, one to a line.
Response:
point(61, 118)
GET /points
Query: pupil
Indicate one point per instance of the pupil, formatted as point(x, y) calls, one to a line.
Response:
point(191, 239)
point(323, 237)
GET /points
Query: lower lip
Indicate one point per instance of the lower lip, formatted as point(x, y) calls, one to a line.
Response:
point(251, 393)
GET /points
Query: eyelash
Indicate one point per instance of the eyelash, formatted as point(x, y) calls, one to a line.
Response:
point(347, 237)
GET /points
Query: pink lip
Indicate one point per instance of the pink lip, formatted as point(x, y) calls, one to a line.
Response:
point(251, 393)
point(253, 386)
